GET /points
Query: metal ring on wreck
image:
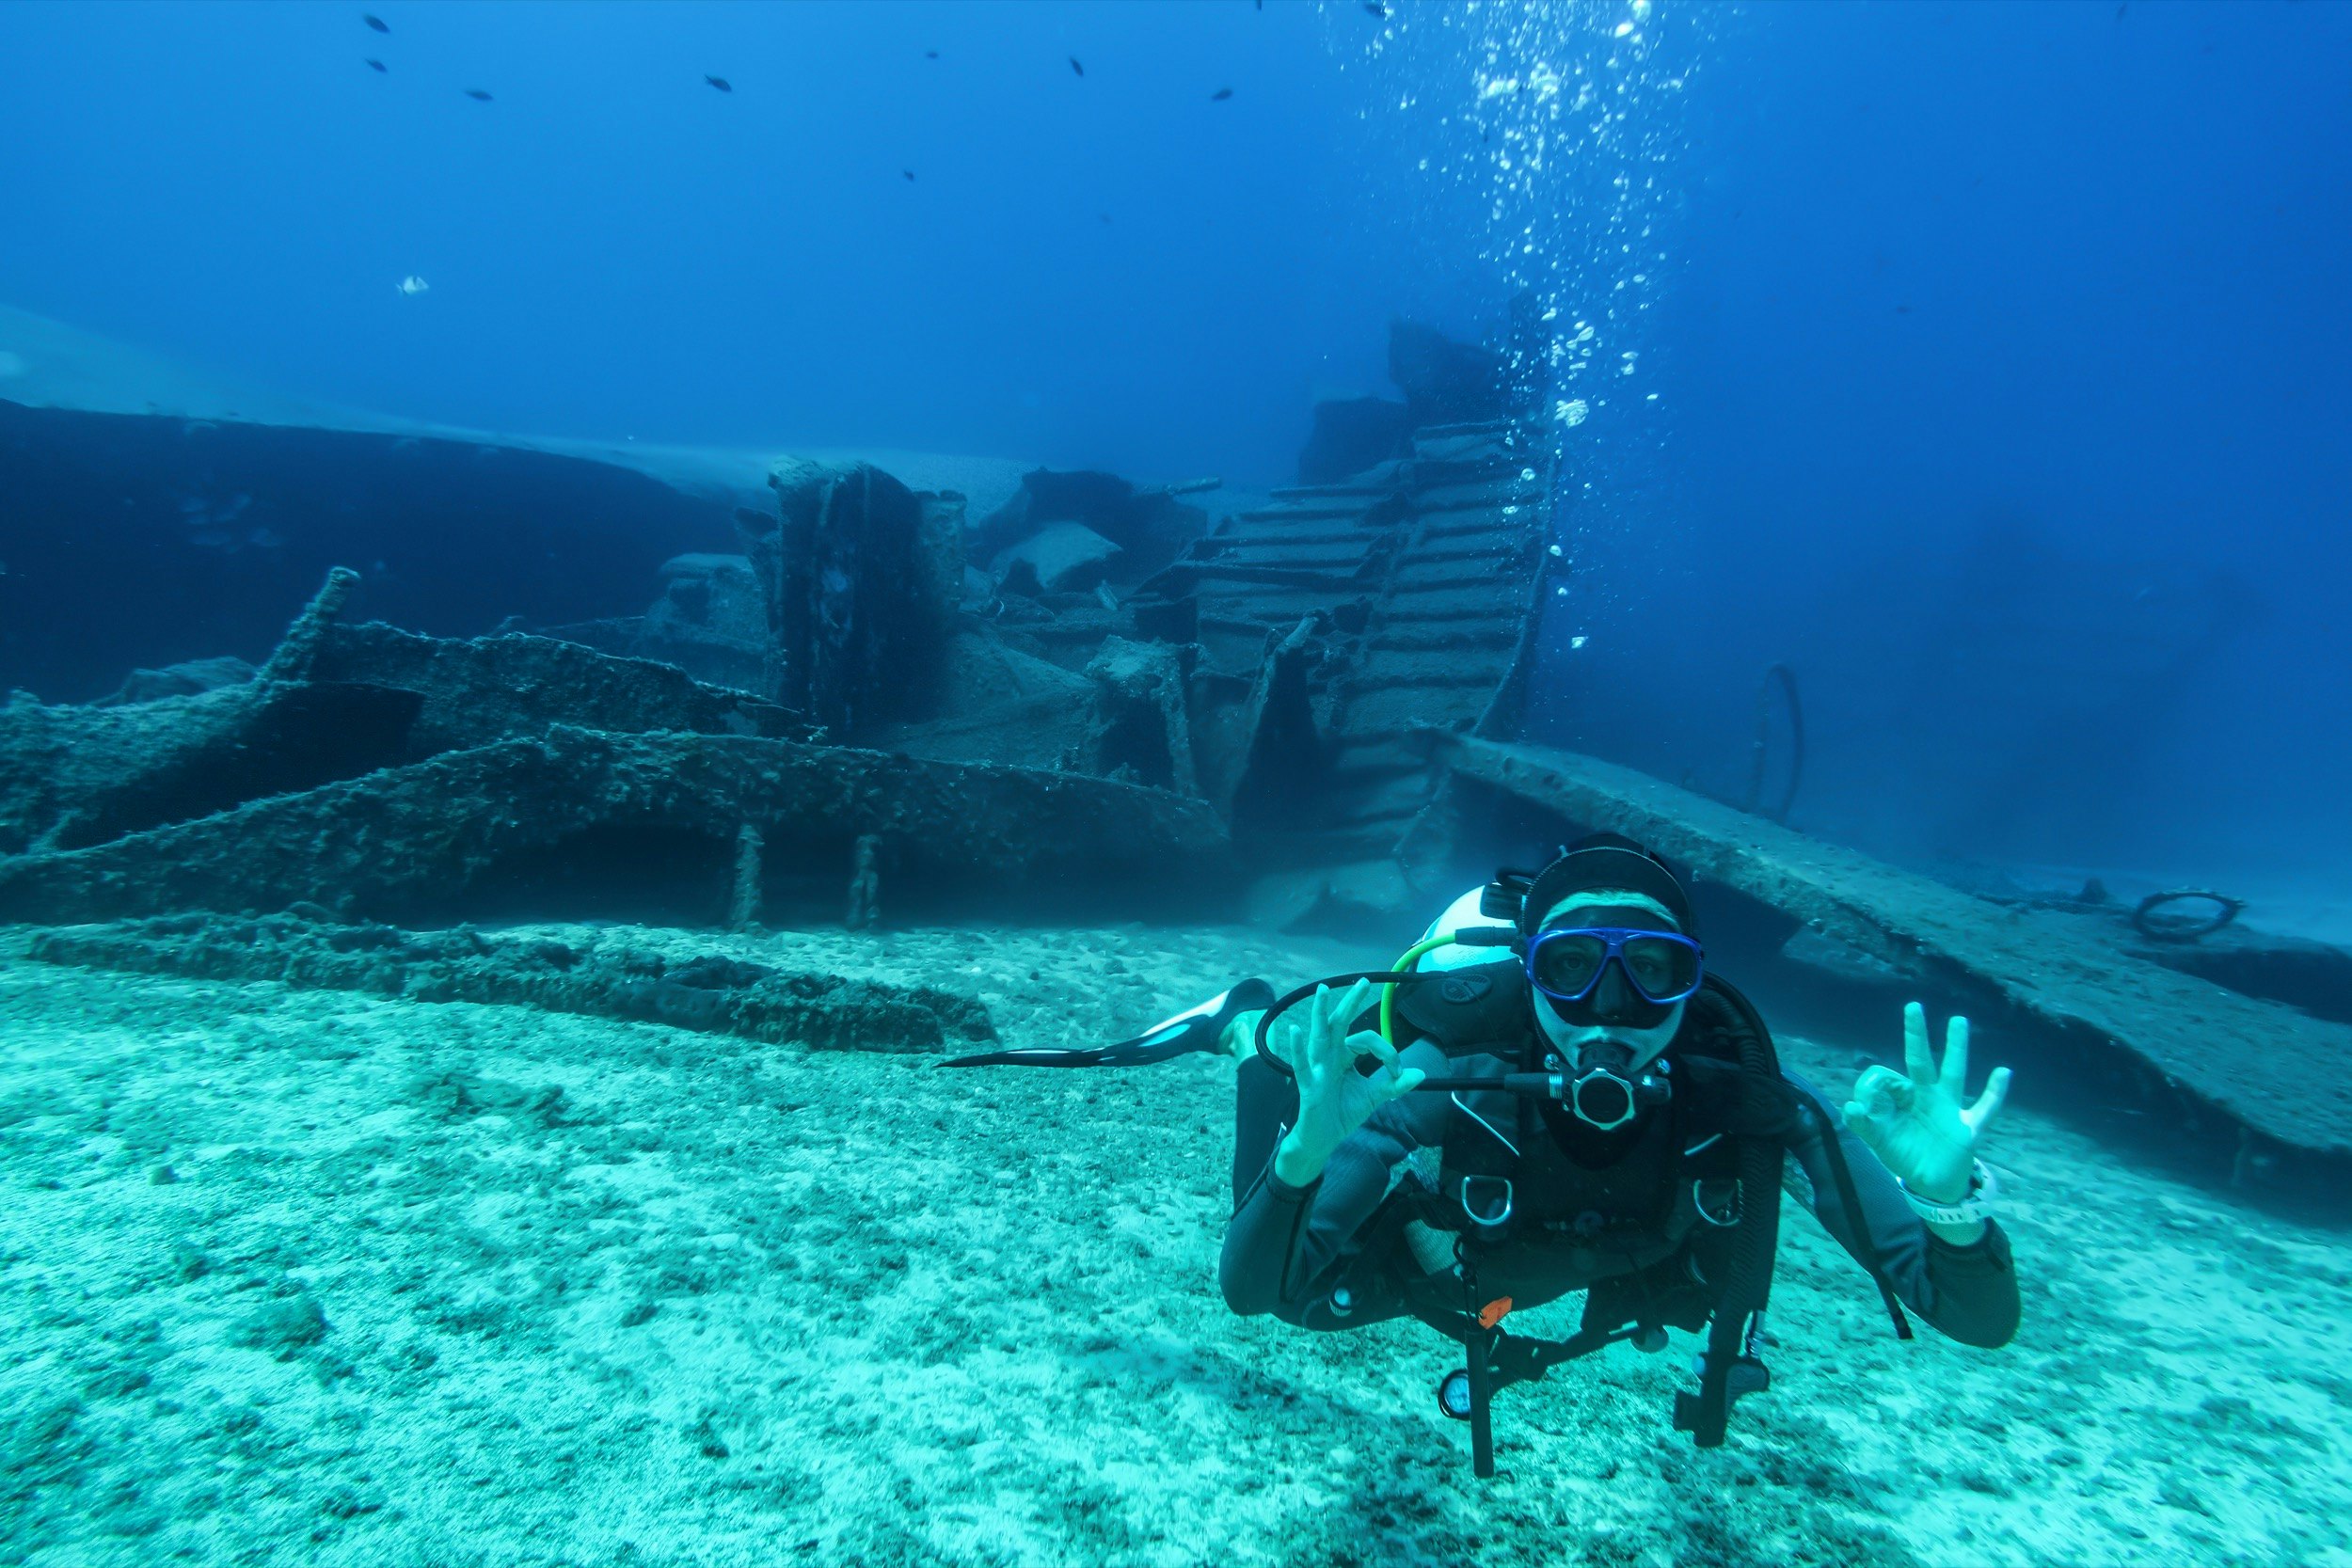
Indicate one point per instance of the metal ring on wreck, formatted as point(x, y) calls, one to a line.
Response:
point(2226, 909)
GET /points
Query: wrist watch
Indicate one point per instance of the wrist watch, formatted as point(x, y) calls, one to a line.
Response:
point(1976, 1206)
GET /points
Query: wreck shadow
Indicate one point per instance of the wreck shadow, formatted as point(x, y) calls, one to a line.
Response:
point(638, 873)
point(659, 874)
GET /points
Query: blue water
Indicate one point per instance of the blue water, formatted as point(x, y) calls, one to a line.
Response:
point(1988, 361)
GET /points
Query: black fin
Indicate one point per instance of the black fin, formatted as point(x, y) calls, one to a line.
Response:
point(1195, 1029)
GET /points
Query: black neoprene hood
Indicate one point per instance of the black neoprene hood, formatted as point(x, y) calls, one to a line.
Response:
point(1606, 861)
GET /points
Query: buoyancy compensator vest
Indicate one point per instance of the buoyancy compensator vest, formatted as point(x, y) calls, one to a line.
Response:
point(1672, 1221)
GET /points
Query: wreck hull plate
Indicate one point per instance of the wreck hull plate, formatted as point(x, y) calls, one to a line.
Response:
point(2283, 1073)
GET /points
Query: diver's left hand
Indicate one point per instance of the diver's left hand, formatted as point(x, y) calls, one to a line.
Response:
point(1917, 1124)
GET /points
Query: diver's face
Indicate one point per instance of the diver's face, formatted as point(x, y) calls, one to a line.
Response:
point(1615, 1021)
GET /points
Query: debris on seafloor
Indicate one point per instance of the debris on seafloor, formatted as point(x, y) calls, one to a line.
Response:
point(503, 688)
point(1092, 689)
point(2280, 1073)
point(571, 814)
point(309, 949)
point(334, 703)
point(73, 776)
point(1266, 660)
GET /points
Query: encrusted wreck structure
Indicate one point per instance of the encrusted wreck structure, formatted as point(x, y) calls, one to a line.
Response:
point(597, 973)
point(1089, 687)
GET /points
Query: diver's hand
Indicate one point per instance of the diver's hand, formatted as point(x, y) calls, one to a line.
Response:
point(1240, 1037)
point(1333, 1098)
point(1917, 1124)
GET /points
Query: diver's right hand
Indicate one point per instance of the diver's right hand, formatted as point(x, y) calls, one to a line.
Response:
point(1334, 1099)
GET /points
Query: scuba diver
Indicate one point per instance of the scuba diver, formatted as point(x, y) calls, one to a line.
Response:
point(1551, 1093)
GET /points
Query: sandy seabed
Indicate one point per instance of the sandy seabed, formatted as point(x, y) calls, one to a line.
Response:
point(299, 1276)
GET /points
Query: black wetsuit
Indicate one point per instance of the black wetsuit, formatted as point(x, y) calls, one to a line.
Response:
point(1293, 1250)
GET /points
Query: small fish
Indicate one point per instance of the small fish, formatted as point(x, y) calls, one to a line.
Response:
point(1220, 95)
point(411, 285)
point(1076, 66)
point(908, 173)
point(477, 95)
point(1902, 310)
point(721, 83)
point(1375, 7)
point(930, 53)
point(375, 21)
point(1105, 217)
point(375, 65)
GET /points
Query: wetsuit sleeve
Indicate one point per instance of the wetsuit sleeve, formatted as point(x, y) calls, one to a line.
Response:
point(1283, 1239)
point(1968, 1292)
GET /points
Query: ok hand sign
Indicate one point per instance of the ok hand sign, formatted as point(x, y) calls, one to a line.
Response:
point(1914, 1121)
point(1333, 1098)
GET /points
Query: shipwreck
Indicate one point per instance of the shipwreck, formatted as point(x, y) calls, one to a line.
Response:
point(558, 682)
point(730, 702)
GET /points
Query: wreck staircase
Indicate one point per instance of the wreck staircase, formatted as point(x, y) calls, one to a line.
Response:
point(1422, 583)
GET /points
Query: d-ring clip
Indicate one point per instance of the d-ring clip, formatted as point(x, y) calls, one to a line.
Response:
point(1698, 1202)
point(1488, 1221)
